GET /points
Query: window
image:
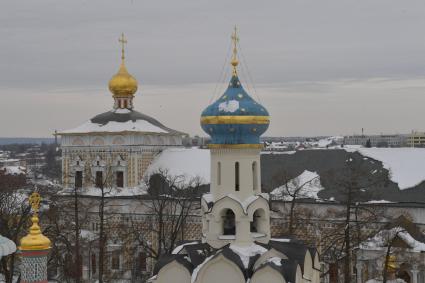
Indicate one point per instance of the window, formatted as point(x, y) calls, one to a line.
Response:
point(78, 179)
point(120, 179)
point(99, 179)
point(254, 175)
point(125, 104)
point(97, 163)
point(219, 173)
point(93, 264)
point(115, 261)
point(237, 176)
point(78, 163)
point(141, 262)
point(229, 223)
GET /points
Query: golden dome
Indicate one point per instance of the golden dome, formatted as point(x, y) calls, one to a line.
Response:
point(35, 240)
point(122, 83)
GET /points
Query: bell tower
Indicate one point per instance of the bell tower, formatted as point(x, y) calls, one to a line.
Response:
point(235, 210)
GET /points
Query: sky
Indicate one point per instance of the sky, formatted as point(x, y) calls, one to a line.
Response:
point(328, 67)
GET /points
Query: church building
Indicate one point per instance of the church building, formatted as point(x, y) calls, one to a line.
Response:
point(236, 244)
point(115, 148)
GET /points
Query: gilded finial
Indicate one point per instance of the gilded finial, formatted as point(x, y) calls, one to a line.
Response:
point(34, 201)
point(35, 240)
point(235, 61)
point(123, 41)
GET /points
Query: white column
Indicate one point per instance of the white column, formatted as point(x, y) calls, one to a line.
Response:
point(359, 268)
point(415, 275)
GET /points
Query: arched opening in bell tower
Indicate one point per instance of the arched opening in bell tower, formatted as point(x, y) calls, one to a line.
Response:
point(229, 223)
point(258, 224)
point(236, 176)
point(254, 176)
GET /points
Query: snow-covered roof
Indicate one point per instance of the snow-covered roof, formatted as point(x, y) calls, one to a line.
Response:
point(405, 164)
point(7, 246)
point(121, 120)
point(381, 240)
point(129, 126)
point(13, 170)
point(307, 183)
point(187, 162)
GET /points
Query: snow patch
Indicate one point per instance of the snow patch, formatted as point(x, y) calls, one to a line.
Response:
point(405, 164)
point(228, 106)
point(245, 252)
point(306, 185)
point(179, 248)
point(187, 162)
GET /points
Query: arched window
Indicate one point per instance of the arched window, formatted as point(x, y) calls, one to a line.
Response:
point(229, 223)
point(125, 104)
point(237, 176)
point(254, 175)
point(258, 224)
point(219, 173)
point(93, 264)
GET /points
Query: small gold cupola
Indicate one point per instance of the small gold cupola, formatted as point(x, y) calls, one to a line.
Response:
point(35, 240)
point(123, 85)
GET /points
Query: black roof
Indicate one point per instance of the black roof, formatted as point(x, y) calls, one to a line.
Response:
point(131, 115)
point(193, 255)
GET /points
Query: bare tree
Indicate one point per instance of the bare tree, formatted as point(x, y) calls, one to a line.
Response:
point(292, 190)
point(352, 184)
point(171, 200)
point(14, 215)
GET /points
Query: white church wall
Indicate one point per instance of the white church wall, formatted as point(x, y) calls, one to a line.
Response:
point(267, 274)
point(219, 269)
point(173, 272)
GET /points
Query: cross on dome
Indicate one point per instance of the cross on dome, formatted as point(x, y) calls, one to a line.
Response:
point(123, 41)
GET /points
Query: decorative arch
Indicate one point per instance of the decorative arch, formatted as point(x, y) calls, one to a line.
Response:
point(219, 269)
point(173, 272)
point(227, 203)
point(78, 141)
point(259, 223)
point(98, 141)
point(267, 274)
point(118, 140)
point(308, 266)
point(260, 202)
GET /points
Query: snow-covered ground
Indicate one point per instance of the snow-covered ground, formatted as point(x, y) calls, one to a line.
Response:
point(407, 165)
point(306, 185)
point(187, 162)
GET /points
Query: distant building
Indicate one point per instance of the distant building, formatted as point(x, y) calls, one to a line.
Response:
point(117, 145)
point(416, 139)
point(378, 140)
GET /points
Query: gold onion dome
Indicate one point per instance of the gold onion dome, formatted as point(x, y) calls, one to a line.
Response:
point(122, 84)
point(35, 240)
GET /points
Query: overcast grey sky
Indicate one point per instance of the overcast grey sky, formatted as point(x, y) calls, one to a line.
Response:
point(321, 67)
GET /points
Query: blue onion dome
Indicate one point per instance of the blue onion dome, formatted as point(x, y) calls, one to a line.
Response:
point(235, 120)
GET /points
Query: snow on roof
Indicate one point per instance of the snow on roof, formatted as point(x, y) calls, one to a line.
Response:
point(405, 164)
point(7, 246)
point(113, 126)
point(308, 184)
point(13, 170)
point(382, 238)
point(245, 252)
point(187, 162)
point(179, 248)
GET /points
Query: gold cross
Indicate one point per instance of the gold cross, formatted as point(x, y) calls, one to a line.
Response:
point(34, 201)
point(235, 40)
point(123, 41)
